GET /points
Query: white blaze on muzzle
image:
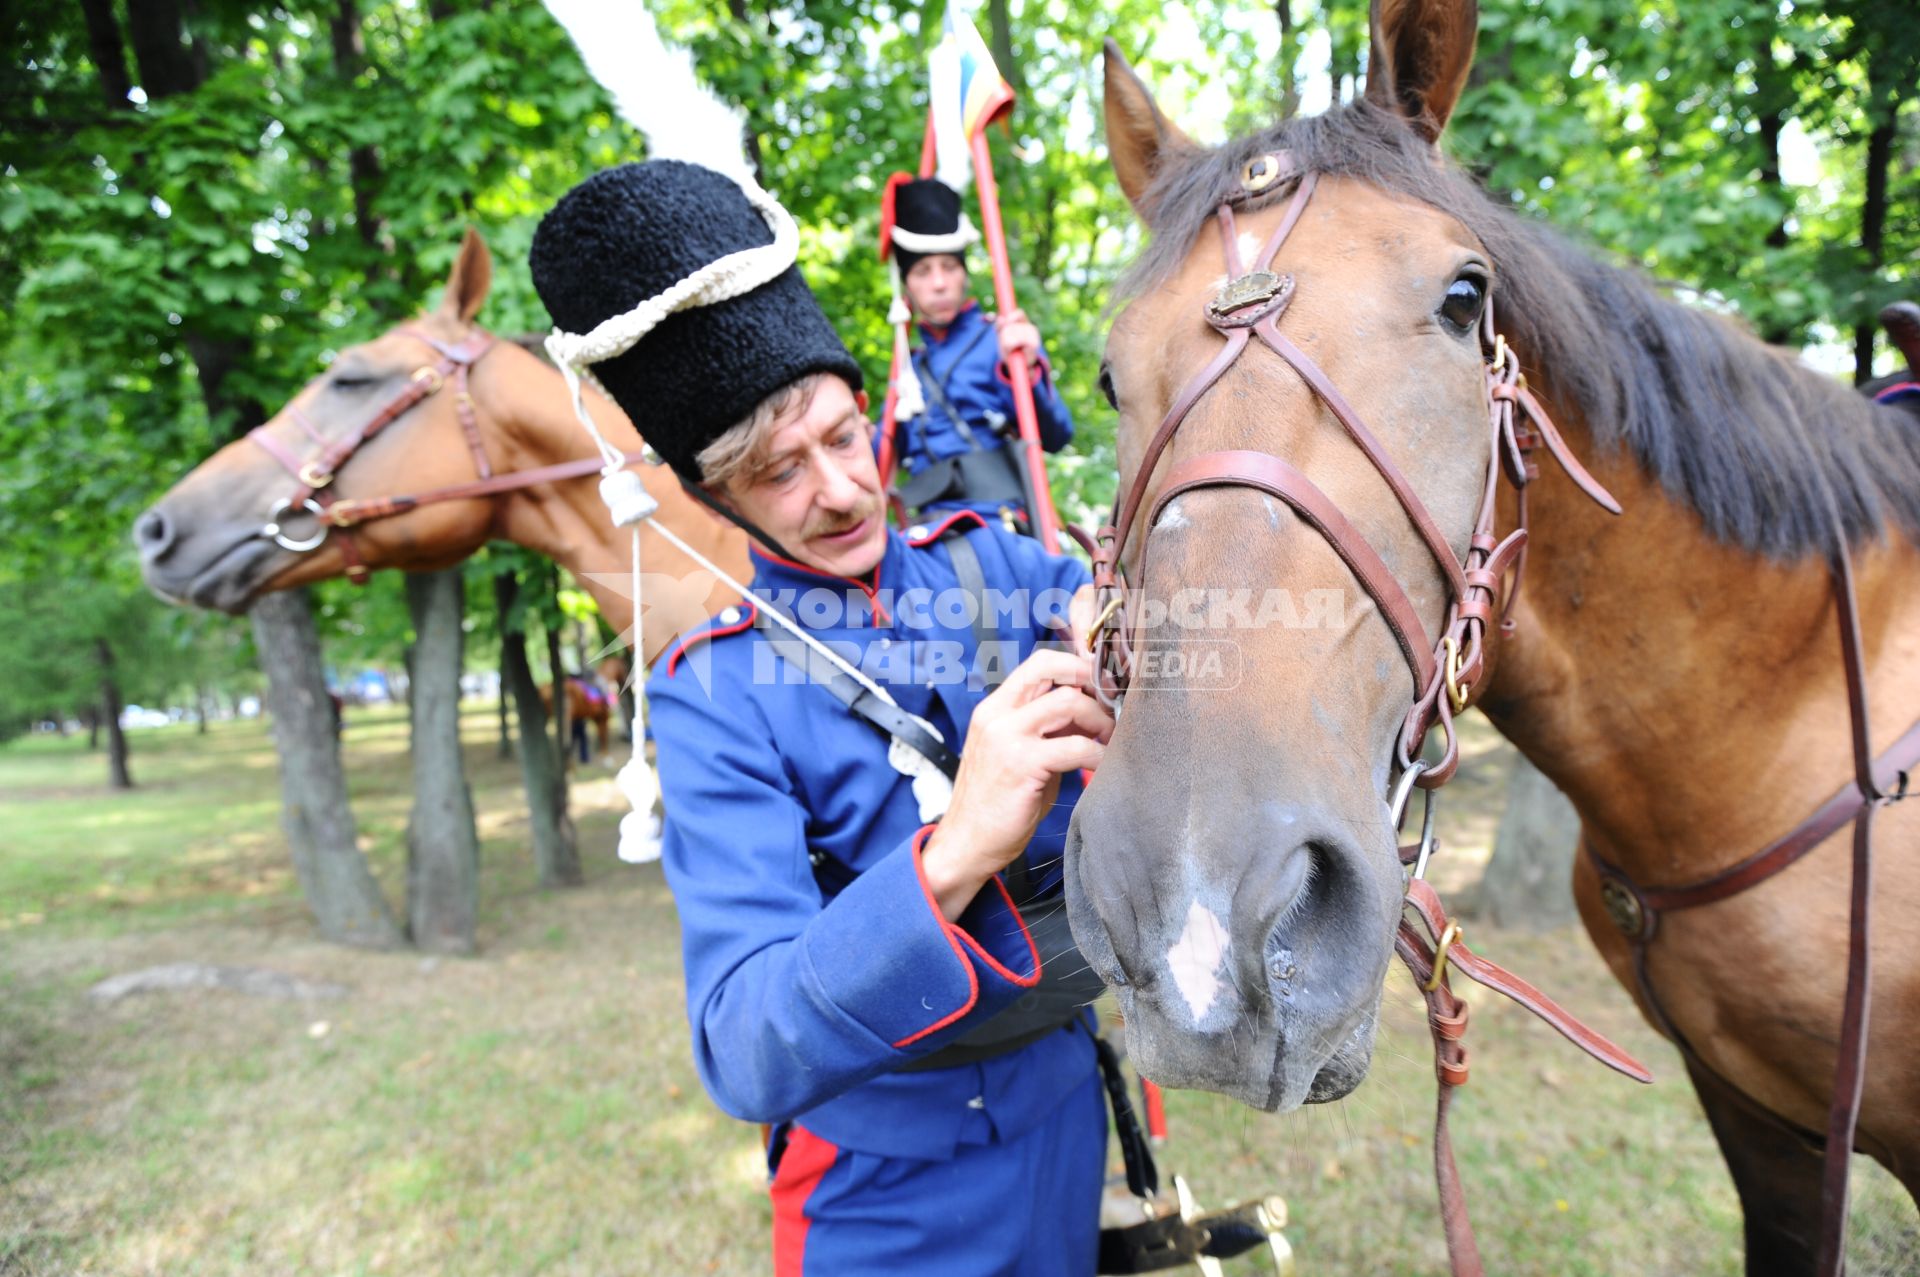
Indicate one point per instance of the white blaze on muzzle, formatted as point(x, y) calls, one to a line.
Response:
point(1196, 958)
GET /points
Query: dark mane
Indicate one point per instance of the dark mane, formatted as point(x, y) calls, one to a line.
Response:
point(1739, 431)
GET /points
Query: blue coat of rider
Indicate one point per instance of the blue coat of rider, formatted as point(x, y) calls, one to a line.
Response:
point(867, 942)
point(955, 436)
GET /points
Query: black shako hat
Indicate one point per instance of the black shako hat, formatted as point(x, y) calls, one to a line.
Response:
point(626, 235)
point(929, 208)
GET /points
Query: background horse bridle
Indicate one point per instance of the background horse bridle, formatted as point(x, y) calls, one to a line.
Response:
point(1446, 674)
point(314, 476)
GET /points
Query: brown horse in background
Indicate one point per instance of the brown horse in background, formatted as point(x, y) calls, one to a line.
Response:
point(583, 707)
point(1675, 670)
point(203, 542)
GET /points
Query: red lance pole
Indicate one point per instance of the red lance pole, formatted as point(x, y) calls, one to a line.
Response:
point(1046, 522)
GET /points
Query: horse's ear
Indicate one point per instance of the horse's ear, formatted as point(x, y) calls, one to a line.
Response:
point(1902, 322)
point(468, 283)
point(1139, 137)
point(1419, 58)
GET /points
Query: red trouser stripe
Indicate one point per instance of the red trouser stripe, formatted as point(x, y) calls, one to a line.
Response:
point(806, 1159)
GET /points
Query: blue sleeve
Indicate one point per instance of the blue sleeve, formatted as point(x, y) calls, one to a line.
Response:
point(1056, 423)
point(1030, 565)
point(1050, 579)
point(791, 1002)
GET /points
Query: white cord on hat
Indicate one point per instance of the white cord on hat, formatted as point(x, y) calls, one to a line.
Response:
point(951, 242)
point(909, 401)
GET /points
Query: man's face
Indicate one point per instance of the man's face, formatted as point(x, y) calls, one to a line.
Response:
point(937, 287)
point(818, 491)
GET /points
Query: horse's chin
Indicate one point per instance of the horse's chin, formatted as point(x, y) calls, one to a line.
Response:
point(1257, 1066)
point(230, 583)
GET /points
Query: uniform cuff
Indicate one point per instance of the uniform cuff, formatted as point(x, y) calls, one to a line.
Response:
point(1037, 364)
point(888, 958)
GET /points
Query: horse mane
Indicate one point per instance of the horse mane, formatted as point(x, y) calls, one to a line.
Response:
point(1739, 431)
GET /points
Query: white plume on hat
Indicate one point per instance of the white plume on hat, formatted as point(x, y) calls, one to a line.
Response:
point(655, 90)
point(654, 87)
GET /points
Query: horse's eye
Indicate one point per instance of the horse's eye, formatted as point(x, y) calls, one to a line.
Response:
point(350, 381)
point(1466, 296)
point(1106, 387)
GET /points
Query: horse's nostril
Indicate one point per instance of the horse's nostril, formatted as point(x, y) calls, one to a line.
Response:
point(153, 533)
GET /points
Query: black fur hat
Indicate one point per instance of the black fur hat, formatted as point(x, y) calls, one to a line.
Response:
point(629, 233)
point(923, 206)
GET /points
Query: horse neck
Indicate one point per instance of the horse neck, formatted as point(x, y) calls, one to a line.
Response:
point(532, 415)
point(1688, 695)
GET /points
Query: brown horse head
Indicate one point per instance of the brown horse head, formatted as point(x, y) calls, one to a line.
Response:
point(1234, 869)
point(471, 412)
point(202, 543)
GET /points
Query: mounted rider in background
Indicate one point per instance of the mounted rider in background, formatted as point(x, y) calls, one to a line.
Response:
point(956, 435)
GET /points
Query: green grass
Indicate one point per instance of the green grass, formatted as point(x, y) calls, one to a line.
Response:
point(534, 1110)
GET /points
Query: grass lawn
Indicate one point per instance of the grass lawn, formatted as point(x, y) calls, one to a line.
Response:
point(534, 1109)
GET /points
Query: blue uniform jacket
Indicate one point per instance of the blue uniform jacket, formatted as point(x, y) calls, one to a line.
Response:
point(965, 360)
point(802, 1001)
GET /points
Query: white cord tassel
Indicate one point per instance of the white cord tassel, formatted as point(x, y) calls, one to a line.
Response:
point(630, 502)
point(909, 400)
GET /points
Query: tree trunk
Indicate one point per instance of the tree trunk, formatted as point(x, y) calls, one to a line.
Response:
point(91, 716)
point(363, 162)
point(1527, 882)
point(118, 777)
point(108, 52)
point(1873, 234)
point(506, 728)
point(557, 680)
point(161, 51)
point(1289, 56)
point(346, 902)
point(1000, 36)
point(556, 853)
point(443, 851)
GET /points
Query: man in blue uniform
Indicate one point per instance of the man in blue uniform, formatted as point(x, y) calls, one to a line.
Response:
point(867, 975)
point(956, 437)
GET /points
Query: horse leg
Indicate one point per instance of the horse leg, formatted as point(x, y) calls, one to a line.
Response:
point(1776, 1171)
point(603, 728)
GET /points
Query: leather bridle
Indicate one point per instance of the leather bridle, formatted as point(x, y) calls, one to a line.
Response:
point(1447, 675)
point(1251, 306)
point(337, 516)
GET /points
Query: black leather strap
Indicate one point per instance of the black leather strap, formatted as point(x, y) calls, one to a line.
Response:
point(890, 720)
point(980, 475)
point(936, 384)
point(1143, 1177)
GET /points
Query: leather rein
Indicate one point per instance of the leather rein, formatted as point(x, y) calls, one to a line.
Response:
point(1636, 911)
point(1446, 675)
point(337, 516)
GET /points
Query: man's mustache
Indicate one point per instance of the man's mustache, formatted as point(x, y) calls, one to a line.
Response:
point(841, 523)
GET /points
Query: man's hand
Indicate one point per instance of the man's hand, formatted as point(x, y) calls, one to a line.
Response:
point(1017, 333)
point(1038, 725)
point(1082, 611)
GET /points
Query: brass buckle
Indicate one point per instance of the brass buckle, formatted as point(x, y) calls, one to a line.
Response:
point(313, 476)
point(1261, 288)
point(429, 377)
point(1447, 937)
point(1100, 622)
point(343, 514)
point(1455, 692)
point(1623, 908)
